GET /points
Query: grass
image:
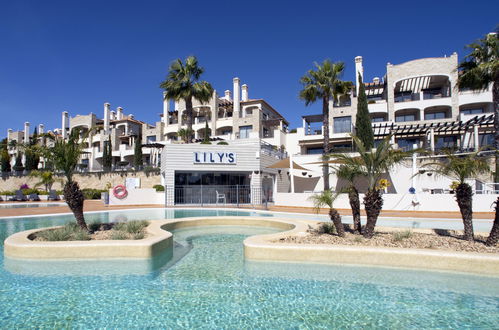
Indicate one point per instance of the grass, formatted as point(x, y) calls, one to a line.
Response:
point(326, 228)
point(119, 235)
point(131, 227)
point(400, 236)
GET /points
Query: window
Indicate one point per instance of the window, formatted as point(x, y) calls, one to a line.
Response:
point(472, 111)
point(151, 138)
point(315, 151)
point(445, 142)
point(408, 117)
point(434, 115)
point(342, 124)
point(244, 131)
point(486, 140)
point(407, 144)
point(377, 119)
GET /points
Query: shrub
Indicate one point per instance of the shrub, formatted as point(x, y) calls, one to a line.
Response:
point(119, 235)
point(131, 227)
point(90, 193)
point(159, 187)
point(222, 143)
point(326, 228)
point(8, 192)
point(205, 142)
point(400, 236)
point(30, 191)
point(70, 232)
point(140, 235)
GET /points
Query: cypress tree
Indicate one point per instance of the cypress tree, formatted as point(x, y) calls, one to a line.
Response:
point(107, 155)
point(18, 166)
point(5, 160)
point(363, 126)
point(137, 155)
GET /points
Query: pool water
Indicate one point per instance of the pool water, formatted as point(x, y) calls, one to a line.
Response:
point(206, 283)
point(29, 205)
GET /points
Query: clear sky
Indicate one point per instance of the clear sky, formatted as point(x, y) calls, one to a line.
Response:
point(76, 55)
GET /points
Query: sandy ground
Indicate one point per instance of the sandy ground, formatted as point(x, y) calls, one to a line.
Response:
point(438, 239)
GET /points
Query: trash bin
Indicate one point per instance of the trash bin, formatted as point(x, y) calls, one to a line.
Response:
point(105, 197)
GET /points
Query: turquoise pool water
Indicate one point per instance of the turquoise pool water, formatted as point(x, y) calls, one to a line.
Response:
point(206, 283)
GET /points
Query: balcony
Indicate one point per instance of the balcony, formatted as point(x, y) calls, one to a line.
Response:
point(406, 97)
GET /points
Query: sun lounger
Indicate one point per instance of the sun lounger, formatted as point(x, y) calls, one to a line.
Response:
point(53, 196)
point(34, 197)
point(20, 196)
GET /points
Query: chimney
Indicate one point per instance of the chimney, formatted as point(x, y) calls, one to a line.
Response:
point(227, 95)
point(358, 69)
point(376, 80)
point(65, 122)
point(166, 109)
point(41, 129)
point(131, 116)
point(119, 111)
point(244, 94)
point(112, 116)
point(237, 99)
point(107, 114)
point(9, 132)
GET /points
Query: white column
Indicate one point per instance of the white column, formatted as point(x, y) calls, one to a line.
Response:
point(41, 129)
point(414, 166)
point(166, 109)
point(476, 141)
point(26, 132)
point(119, 111)
point(9, 132)
point(228, 96)
point(65, 117)
point(291, 176)
point(244, 94)
point(107, 108)
point(237, 98)
point(112, 115)
point(421, 114)
point(432, 139)
point(358, 69)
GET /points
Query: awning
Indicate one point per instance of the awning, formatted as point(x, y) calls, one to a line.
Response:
point(286, 164)
point(332, 161)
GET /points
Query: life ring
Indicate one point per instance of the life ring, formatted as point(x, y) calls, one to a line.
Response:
point(120, 191)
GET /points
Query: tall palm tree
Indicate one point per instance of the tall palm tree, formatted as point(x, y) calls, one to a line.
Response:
point(184, 134)
point(327, 198)
point(479, 69)
point(182, 83)
point(324, 84)
point(460, 168)
point(64, 155)
point(372, 164)
point(494, 232)
point(350, 173)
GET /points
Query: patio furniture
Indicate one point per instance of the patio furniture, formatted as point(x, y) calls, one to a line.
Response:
point(53, 196)
point(220, 197)
point(20, 196)
point(34, 197)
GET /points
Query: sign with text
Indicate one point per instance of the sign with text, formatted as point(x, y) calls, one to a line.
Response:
point(203, 157)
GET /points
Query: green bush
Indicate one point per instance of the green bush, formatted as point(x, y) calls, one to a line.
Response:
point(159, 187)
point(206, 142)
point(326, 228)
point(30, 191)
point(119, 235)
point(400, 236)
point(140, 235)
point(90, 193)
point(70, 232)
point(131, 227)
point(8, 192)
point(223, 143)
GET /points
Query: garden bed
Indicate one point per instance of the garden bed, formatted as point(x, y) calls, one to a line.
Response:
point(132, 230)
point(448, 240)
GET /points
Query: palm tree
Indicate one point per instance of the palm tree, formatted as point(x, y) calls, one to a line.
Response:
point(324, 83)
point(494, 232)
point(372, 164)
point(327, 198)
point(65, 155)
point(479, 69)
point(460, 168)
point(47, 179)
point(184, 134)
point(182, 83)
point(349, 174)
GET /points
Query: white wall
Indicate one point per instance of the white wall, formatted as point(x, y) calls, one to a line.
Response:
point(138, 197)
point(397, 202)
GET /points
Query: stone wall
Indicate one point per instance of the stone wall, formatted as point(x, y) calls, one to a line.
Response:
point(87, 180)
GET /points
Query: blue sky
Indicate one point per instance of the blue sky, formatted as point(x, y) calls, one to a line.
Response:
point(74, 56)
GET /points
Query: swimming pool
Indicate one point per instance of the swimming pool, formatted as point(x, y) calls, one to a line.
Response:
point(28, 205)
point(207, 284)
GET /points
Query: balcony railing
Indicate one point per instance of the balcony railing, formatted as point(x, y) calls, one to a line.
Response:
point(407, 97)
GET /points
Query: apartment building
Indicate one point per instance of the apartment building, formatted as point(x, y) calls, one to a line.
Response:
point(418, 102)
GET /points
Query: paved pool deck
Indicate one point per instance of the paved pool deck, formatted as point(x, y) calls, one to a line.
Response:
point(97, 205)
